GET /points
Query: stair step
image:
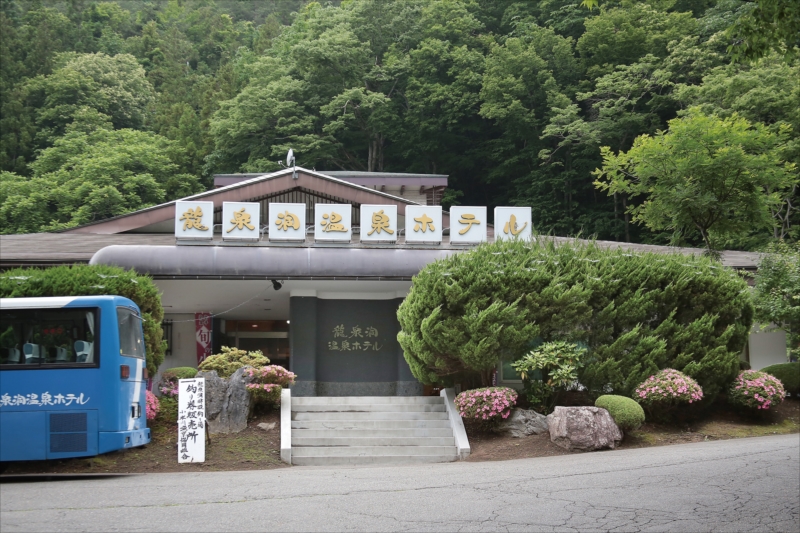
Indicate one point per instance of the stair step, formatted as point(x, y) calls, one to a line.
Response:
point(366, 400)
point(373, 441)
point(368, 451)
point(366, 408)
point(375, 415)
point(373, 460)
point(370, 424)
point(383, 433)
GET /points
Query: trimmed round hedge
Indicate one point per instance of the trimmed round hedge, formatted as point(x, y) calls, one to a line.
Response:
point(179, 372)
point(627, 414)
point(788, 373)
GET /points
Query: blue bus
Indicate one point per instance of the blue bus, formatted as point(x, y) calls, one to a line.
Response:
point(72, 377)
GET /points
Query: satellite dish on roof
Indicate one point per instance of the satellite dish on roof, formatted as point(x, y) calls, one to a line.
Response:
point(290, 162)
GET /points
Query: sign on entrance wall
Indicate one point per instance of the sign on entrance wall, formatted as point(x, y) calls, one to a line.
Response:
point(467, 224)
point(192, 420)
point(512, 223)
point(332, 222)
point(194, 220)
point(287, 222)
point(378, 223)
point(202, 328)
point(424, 224)
point(241, 221)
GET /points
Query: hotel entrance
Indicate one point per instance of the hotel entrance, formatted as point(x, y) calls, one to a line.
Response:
point(269, 336)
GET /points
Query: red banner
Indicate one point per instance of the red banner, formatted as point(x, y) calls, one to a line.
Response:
point(202, 327)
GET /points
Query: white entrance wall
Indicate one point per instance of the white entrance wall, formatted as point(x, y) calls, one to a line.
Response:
point(767, 347)
point(184, 352)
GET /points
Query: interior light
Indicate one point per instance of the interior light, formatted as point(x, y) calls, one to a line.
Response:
point(255, 325)
point(287, 321)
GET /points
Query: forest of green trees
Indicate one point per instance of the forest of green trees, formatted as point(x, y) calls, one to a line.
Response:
point(647, 121)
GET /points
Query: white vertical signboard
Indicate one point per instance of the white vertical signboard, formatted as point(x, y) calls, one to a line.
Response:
point(512, 223)
point(378, 223)
point(192, 420)
point(332, 222)
point(467, 224)
point(194, 220)
point(424, 224)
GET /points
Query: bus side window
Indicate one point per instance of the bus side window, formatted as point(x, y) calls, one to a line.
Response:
point(131, 340)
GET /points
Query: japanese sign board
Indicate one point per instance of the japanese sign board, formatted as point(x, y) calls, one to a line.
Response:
point(192, 420)
point(43, 399)
point(241, 221)
point(194, 220)
point(202, 329)
point(332, 222)
point(512, 223)
point(378, 223)
point(424, 224)
point(354, 339)
point(467, 224)
point(287, 222)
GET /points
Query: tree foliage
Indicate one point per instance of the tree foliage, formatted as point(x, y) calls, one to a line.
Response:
point(513, 100)
point(711, 176)
point(777, 292)
point(636, 313)
point(86, 280)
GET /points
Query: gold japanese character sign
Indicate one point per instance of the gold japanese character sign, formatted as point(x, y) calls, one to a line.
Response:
point(424, 223)
point(512, 223)
point(241, 221)
point(332, 222)
point(194, 220)
point(378, 223)
point(287, 222)
point(467, 225)
point(354, 338)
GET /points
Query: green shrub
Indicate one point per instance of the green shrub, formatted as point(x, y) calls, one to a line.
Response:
point(637, 313)
point(788, 373)
point(168, 410)
point(231, 360)
point(557, 363)
point(179, 372)
point(627, 414)
point(91, 280)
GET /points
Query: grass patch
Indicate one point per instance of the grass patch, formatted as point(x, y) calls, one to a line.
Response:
point(729, 431)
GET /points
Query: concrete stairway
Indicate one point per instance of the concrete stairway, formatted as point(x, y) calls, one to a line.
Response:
point(371, 430)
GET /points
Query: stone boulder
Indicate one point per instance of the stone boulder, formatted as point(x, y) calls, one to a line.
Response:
point(523, 422)
point(228, 402)
point(583, 428)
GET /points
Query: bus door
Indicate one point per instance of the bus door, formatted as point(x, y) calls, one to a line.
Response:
point(132, 373)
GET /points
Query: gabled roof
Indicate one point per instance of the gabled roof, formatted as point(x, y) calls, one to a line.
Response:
point(251, 190)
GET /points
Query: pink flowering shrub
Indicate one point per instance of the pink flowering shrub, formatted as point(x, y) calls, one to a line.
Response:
point(756, 390)
point(271, 374)
point(265, 393)
point(666, 391)
point(266, 383)
point(487, 406)
point(152, 405)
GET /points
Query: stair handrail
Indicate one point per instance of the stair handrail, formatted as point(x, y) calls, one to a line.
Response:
point(459, 433)
point(286, 425)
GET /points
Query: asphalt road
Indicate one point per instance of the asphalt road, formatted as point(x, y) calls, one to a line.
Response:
point(736, 485)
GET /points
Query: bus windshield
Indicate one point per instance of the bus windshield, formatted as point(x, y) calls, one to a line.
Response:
point(36, 337)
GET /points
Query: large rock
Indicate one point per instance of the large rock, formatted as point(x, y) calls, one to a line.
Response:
point(523, 422)
point(583, 428)
point(228, 402)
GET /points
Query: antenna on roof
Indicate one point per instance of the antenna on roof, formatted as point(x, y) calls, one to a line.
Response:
point(290, 162)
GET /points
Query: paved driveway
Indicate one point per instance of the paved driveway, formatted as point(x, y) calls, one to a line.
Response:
point(736, 485)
